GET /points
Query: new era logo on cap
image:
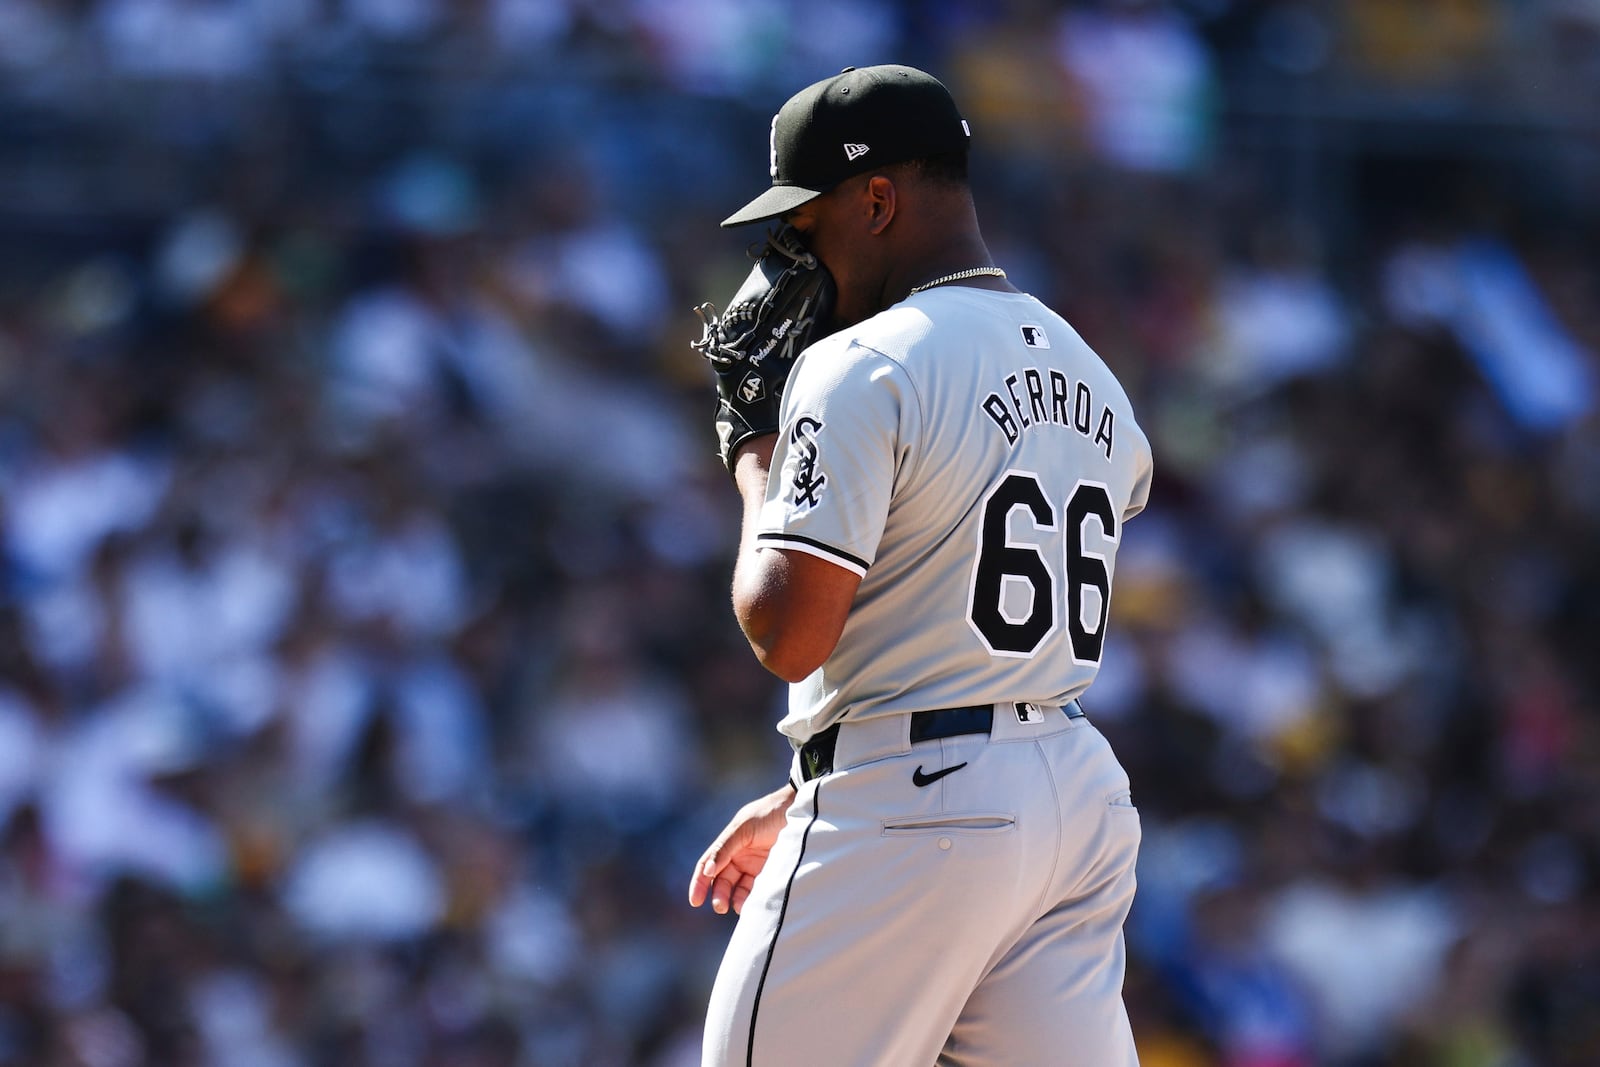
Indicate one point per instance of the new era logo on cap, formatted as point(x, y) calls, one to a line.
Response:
point(855, 151)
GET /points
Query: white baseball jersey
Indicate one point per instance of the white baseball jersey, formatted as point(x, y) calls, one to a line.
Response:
point(969, 456)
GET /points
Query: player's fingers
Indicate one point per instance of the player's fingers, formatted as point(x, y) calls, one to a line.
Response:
point(704, 873)
point(741, 893)
point(722, 890)
point(716, 859)
point(697, 890)
point(713, 863)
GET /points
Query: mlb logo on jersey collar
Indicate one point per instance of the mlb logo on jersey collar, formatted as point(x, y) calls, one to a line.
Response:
point(1033, 336)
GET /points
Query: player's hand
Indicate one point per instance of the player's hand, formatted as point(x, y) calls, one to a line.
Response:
point(729, 867)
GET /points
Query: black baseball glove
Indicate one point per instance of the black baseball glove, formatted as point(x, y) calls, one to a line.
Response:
point(781, 308)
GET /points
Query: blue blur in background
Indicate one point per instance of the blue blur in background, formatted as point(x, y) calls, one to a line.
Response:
point(368, 684)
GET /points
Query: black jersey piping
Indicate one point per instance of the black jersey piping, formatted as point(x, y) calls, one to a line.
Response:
point(772, 947)
point(814, 543)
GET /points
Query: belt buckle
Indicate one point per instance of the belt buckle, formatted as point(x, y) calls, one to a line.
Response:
point(816, 755)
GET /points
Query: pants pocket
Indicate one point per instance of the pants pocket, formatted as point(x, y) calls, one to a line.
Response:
point(947, 823)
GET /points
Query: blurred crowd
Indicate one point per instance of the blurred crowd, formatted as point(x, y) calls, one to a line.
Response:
point(367, 678)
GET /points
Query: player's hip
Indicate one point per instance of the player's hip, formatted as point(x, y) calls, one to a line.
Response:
point(1028, 798)
point(855, 742)
point(997, 762)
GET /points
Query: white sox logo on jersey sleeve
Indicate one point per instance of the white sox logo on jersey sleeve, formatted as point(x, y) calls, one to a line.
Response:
point(805, 482)
point(802, 487)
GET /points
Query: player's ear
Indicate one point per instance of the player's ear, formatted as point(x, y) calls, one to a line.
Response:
point(881, 201)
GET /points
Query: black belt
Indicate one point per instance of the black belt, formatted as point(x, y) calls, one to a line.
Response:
point(816, 754)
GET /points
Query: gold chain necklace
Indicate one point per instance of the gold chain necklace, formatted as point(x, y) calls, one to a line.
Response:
point(972, 272)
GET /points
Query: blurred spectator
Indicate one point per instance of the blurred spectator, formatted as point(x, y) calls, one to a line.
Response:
point(367, 681)
point(1145, 78)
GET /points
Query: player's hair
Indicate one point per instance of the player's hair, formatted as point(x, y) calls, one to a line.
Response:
point(949, 168)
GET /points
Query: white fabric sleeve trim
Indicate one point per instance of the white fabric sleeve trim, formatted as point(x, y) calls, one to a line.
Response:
point(811, 548)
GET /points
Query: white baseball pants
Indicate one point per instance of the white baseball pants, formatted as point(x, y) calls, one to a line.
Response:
point(975, 921)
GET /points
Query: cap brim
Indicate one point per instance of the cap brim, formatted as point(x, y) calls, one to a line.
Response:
point(772, 203)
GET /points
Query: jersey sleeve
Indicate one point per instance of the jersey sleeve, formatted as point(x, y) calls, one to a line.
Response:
point(1143, 472)
point(850, 423)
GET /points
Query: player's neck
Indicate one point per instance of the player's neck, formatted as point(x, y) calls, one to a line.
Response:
point(953, 261)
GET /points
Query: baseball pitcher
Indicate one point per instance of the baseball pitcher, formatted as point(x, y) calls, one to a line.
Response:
point(936, 471)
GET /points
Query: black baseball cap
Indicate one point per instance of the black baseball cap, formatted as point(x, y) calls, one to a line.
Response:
point(859, 119)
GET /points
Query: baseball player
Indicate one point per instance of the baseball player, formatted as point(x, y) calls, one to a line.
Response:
point(933, 497)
